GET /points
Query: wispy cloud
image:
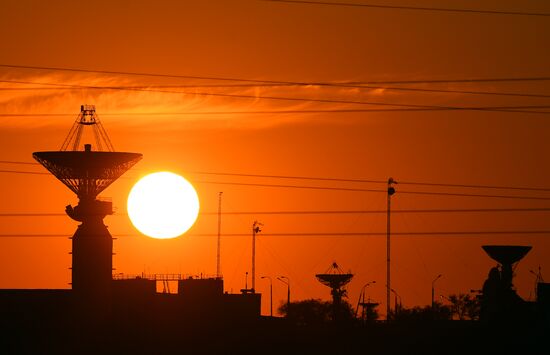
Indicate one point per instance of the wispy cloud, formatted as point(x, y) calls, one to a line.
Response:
point(168, 103)
point(62, 93)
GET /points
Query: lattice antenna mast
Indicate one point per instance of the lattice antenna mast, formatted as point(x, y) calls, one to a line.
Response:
point(87, 118)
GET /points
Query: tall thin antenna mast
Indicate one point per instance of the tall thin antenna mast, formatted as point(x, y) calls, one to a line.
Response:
point(218, 256)
point(255, 230)
point(391, 191)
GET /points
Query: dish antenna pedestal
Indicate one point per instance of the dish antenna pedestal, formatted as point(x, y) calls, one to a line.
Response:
point(87, 173)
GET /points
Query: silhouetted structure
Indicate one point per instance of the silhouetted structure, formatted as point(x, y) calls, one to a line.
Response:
point(87, 173)
point(543, 303)
point(336, 280)
point(368, 311)
point(500, 302)
point(198, 299)
point(95, 296)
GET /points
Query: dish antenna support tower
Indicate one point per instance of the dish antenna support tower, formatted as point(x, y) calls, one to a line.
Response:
point(87, 173)
point(336, 280)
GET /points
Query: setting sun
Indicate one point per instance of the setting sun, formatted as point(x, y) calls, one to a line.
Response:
point(163, 205)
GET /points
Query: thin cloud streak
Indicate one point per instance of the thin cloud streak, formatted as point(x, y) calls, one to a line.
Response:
point(109, 95)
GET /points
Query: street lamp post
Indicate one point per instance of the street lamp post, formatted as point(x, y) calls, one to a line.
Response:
point(397, 307)
point(270, 294)
point(433, 290)
point(287, 283)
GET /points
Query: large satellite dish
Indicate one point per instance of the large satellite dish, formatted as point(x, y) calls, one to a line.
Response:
point(87, 173)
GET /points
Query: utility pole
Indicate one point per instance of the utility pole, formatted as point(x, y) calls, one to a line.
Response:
point(391, 191)
point(218, 255)
point(255, 230)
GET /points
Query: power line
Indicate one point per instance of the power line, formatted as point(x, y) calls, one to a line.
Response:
point(413, 8)
point(471, 195)
point(373, 181)
point(35, 214)
point(321, 212)
point(444, 91)
point(336, 179)
point(23, 172)
point(359, 234)
point(241, 96)
point(501, 187)
point(375, 190)
point(17, 162)
point(409, 107)
point(378, 181)
point(239, 183)
point(313, 178)
point(507, 109)
point(294, 177)
point(279, 82)
point(350, 189)
point(322, 179)
point(173, 76)
point(155, 86)
point(370, 87)
point(292, 186)
point(455, 210)
point(327, 188)
point(322, 234)
point(459, 81)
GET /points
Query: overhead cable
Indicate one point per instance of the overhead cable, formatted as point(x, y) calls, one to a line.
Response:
point(219, 78)
point(413, 8)
point(404, 107)
point(323, 234)
point(316, 212)
point(350, 189)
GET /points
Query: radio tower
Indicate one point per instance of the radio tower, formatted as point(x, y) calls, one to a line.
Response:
point(87, 173)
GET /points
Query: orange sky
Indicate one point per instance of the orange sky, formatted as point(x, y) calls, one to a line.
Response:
point(282, 42)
